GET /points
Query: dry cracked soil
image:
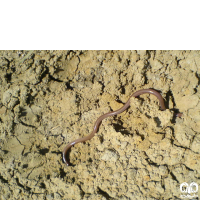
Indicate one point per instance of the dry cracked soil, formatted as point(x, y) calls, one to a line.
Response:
point(49, 98)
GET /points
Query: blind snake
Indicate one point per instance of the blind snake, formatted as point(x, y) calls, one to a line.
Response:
point(122, 109)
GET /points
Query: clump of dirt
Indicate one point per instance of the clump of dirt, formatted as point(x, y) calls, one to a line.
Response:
point(49, 98)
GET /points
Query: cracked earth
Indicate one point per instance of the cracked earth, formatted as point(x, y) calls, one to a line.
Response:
point(49, 98)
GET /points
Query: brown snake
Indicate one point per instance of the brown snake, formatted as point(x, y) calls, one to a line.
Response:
point(122, 109)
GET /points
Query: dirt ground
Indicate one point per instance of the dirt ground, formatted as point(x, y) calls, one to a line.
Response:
point(49, 98)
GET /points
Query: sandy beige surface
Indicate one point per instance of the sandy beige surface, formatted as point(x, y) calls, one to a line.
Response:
point(49, 98)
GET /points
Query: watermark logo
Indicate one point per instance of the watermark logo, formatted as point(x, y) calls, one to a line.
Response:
point(189, 191)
